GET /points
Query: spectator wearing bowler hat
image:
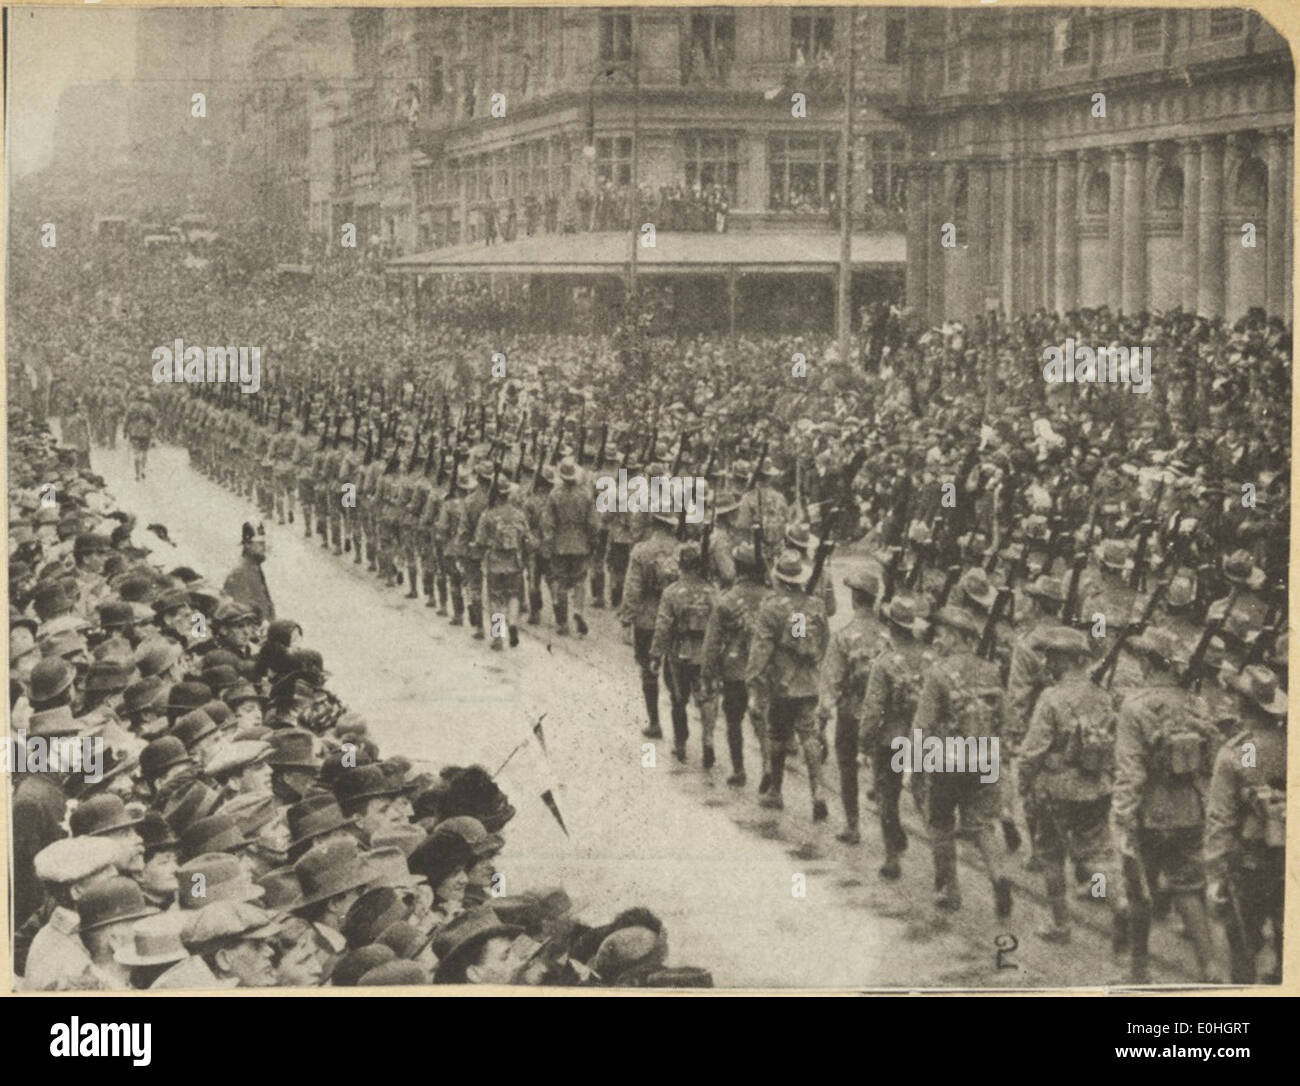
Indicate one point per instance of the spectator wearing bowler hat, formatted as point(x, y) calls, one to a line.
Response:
point(106, 917)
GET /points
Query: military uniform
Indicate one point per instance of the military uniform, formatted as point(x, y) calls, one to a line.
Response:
point(681, 622)
point(845, 671)
point(569, 530)
point(1162, 760)
point(1245, 831)
point(447, 532)
point(887, 710)
point(775, 514)
point(503, 538)
point(962, 702)
point(725, 656)
point(1066, 765)
point(791, 635)
point(538, 566)
point(652, 567)
point(304, 455)
point(471, 560)
point(426, 503)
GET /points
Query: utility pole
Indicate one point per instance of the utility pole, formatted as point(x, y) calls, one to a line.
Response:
point(844, 304)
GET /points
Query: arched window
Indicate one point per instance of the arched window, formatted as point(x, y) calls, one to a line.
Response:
point(1169, 189)
point(1251, 189)
point(1096, 194)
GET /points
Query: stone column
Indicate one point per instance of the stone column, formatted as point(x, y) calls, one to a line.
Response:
point(1191, 214)
point(1209, 232)
point(1009, 254)
point(936, 215)
point(1067, 233)
point(979, 234)
point(1044, 289)
point(1288, 267)
point(1275, 267)
point(919, 241)
point(1133, 295)
point(1115, 231)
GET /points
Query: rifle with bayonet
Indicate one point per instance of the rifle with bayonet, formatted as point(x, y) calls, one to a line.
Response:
point(988, 637)
point(1191, 676)
point(1106, 669)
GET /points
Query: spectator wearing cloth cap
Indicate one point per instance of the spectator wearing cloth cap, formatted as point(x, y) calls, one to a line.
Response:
point(55, 958)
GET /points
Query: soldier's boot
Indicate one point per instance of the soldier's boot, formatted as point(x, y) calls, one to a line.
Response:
point(534, 606)
point(1119, 932)
point(476, 620)
point(579, 624)
point(736, 749)
point(457, 608)
point(441, 582)
point(1196, 921)
point(892, 868)
point(598, 588)
point(561, 608)
point(680, 730)
point(775, 776)
point(371, 563)
point(948, 896)
point(708, 723)
point(616, 593)
point(1139, 932)
point(514, 637)
point(650, 691)
point(814, 753)
point(306, 523)
point(338, 542)
point(426, 582)
point(850, 834)
point(356, 549)
point(497, 643)
point(414, 593)
point(1059, 931)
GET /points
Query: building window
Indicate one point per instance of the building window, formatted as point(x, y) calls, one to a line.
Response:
point(895, 31)
point(1169, 190)
point(433, 79)
point(712, 158)
point(1096, 194)
point(812, 37)
point(954, 66)
point(615, 36)
point(1075, 46)
point(614, 159)
point(1226, 23)
point(1148, 33)
point(713, 43)
point(802, 173)
point(887, 172)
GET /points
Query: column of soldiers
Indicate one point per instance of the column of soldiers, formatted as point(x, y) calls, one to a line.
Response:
point(1062, 631)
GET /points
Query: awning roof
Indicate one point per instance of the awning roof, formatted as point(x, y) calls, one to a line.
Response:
point(673, 253)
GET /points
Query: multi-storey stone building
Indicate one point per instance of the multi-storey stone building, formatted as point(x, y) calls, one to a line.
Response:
point(1093, 157)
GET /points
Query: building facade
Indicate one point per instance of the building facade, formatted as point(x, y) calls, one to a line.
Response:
point(471, 122)
point(1137, 159)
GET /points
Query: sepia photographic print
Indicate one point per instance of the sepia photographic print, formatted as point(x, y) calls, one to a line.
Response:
point(661, 498)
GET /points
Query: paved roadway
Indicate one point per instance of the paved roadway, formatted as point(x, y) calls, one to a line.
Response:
point(717, 868)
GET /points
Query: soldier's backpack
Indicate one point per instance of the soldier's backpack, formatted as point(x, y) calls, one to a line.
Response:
point(1269, 805)
point(661, 572)
point(503, 533)
point(816, 632)
point(691, 624)
point(975, 703)
point(1090, 747)
point(1179, 747)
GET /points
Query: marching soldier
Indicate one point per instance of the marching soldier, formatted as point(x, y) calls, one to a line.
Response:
point(1161, 759)
point(448, 532)
point(652, 567)
point(426, 503)
point(349, 473)
point(1066, 765)
point(845, 671)
point(791, 634)
point(283, 448)
point(329, 492)
point(726, 654)
point(680, 625)
point(625, 531)
point(539, 564)
point(408, 521)
point(1245, 826)
point(503, 538)
point(388, 551)
point(763, 505)
point(569, 529)
point(962, 700)
point(888, 707)
point(304, 453)
point(471, 561)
